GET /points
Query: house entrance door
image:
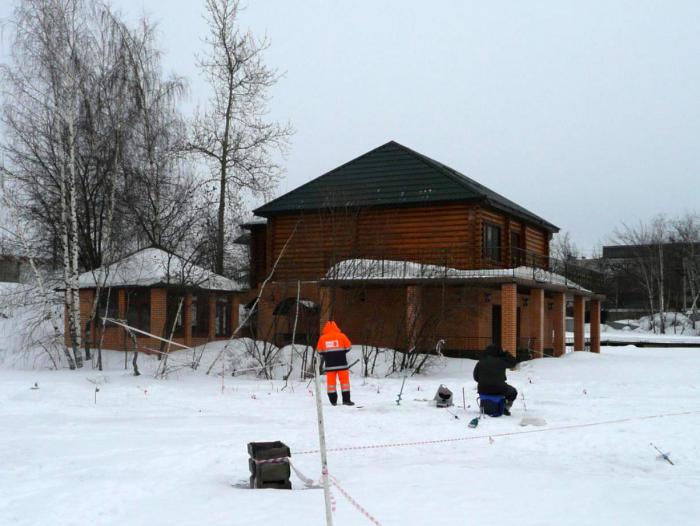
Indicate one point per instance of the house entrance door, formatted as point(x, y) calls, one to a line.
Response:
point(496, 325)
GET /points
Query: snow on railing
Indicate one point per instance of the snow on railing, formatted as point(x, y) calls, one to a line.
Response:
point(371, 269)
point(458, 263)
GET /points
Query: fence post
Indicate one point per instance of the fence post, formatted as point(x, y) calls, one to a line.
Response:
point(322, 444)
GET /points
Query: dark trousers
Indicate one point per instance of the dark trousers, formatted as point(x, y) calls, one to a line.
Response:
point(508, 391)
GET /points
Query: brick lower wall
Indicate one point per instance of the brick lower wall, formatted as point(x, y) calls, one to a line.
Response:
point(462, 316)
point(116, 338)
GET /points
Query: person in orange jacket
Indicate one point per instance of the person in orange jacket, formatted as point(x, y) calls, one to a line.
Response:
point(333, 345)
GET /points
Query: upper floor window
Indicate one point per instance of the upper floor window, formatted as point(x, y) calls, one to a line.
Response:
point(492, 242)
point(516, 252)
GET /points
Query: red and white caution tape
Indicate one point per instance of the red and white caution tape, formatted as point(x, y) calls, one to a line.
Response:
point(272, 460)
point(309, 483)
point(352, 501)
point(477, 437)
point(512, 433)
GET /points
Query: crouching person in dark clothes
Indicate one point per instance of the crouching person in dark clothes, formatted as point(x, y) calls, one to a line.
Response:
point(490, 375)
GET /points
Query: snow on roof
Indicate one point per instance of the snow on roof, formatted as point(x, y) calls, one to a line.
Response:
point(153, 266)
point(370, 269)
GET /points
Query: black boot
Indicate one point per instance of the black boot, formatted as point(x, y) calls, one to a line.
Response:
point(346, 398)
point(333, 397)
point(506, 410)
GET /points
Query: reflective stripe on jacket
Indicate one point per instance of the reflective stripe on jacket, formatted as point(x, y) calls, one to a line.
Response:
point(334, 346)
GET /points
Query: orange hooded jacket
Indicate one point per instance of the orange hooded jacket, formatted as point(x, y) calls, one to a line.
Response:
point(334, 346)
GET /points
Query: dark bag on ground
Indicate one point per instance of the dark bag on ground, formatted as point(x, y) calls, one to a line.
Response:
point(443, 397)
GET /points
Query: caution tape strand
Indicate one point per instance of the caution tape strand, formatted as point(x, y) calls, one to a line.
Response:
point(352, 501)
point(511, 433)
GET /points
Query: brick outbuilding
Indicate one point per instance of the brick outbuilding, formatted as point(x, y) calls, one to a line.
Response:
point(161, 294)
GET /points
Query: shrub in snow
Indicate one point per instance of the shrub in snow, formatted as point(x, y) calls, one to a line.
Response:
point(672, 322)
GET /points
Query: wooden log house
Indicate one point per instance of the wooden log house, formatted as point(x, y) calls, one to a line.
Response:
point(404, 252)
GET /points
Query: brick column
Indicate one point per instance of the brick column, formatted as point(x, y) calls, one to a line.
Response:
point(211, 303)
point(159, 300)
point(509, 317)
point(235, 303)
point(86, 300)
point(537, 320)
point(559, 323)
point(324, 301)
point(121, 303)
point(595, 325)
point(413, 322)
point(579, 322)
point(187, 319)
point(121, 309)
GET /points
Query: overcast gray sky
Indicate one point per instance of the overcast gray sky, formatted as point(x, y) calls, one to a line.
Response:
point(587, 113)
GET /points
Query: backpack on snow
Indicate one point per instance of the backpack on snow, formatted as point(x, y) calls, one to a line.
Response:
point(443, 397)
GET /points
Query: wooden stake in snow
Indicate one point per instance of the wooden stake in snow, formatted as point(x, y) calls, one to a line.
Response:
point(322, 444)
point(662, 455)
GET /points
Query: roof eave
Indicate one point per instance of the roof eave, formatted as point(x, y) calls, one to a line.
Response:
point(525, 217)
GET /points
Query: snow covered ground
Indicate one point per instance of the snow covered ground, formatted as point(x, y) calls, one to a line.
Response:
point(174, 451)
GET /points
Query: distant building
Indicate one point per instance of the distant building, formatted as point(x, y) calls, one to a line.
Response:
point(626, 294)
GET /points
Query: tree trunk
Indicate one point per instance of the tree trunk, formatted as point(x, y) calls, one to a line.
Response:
point(74, 247)
point(662, 304)
point(219, 264)
point(67, 289)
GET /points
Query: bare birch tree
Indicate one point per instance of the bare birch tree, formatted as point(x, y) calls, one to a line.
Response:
point(49, 36)
point(686, 231)
point(563, 247)
point(93, 140)
point(232, 134)
point(646, 242)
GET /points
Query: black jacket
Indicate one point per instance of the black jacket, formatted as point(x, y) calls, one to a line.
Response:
point(490, 371)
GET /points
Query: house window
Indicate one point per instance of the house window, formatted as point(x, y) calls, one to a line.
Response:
point(223, 317)
point(516, 254)
point(200, 315)
point(492, 242)
point(138, 309)
point(175, 314)
point(107, 305)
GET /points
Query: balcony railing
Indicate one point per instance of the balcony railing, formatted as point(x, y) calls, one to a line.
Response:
point(462, 262)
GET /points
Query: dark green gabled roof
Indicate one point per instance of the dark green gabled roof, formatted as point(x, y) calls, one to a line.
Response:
point(392, 175)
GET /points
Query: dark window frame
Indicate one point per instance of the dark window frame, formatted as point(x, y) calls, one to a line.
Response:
point(112, 308)
point(200, 315)
point(173, 299)
point(491, 248)
point(516, 249)
point(222, 321)
point(138, 308)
